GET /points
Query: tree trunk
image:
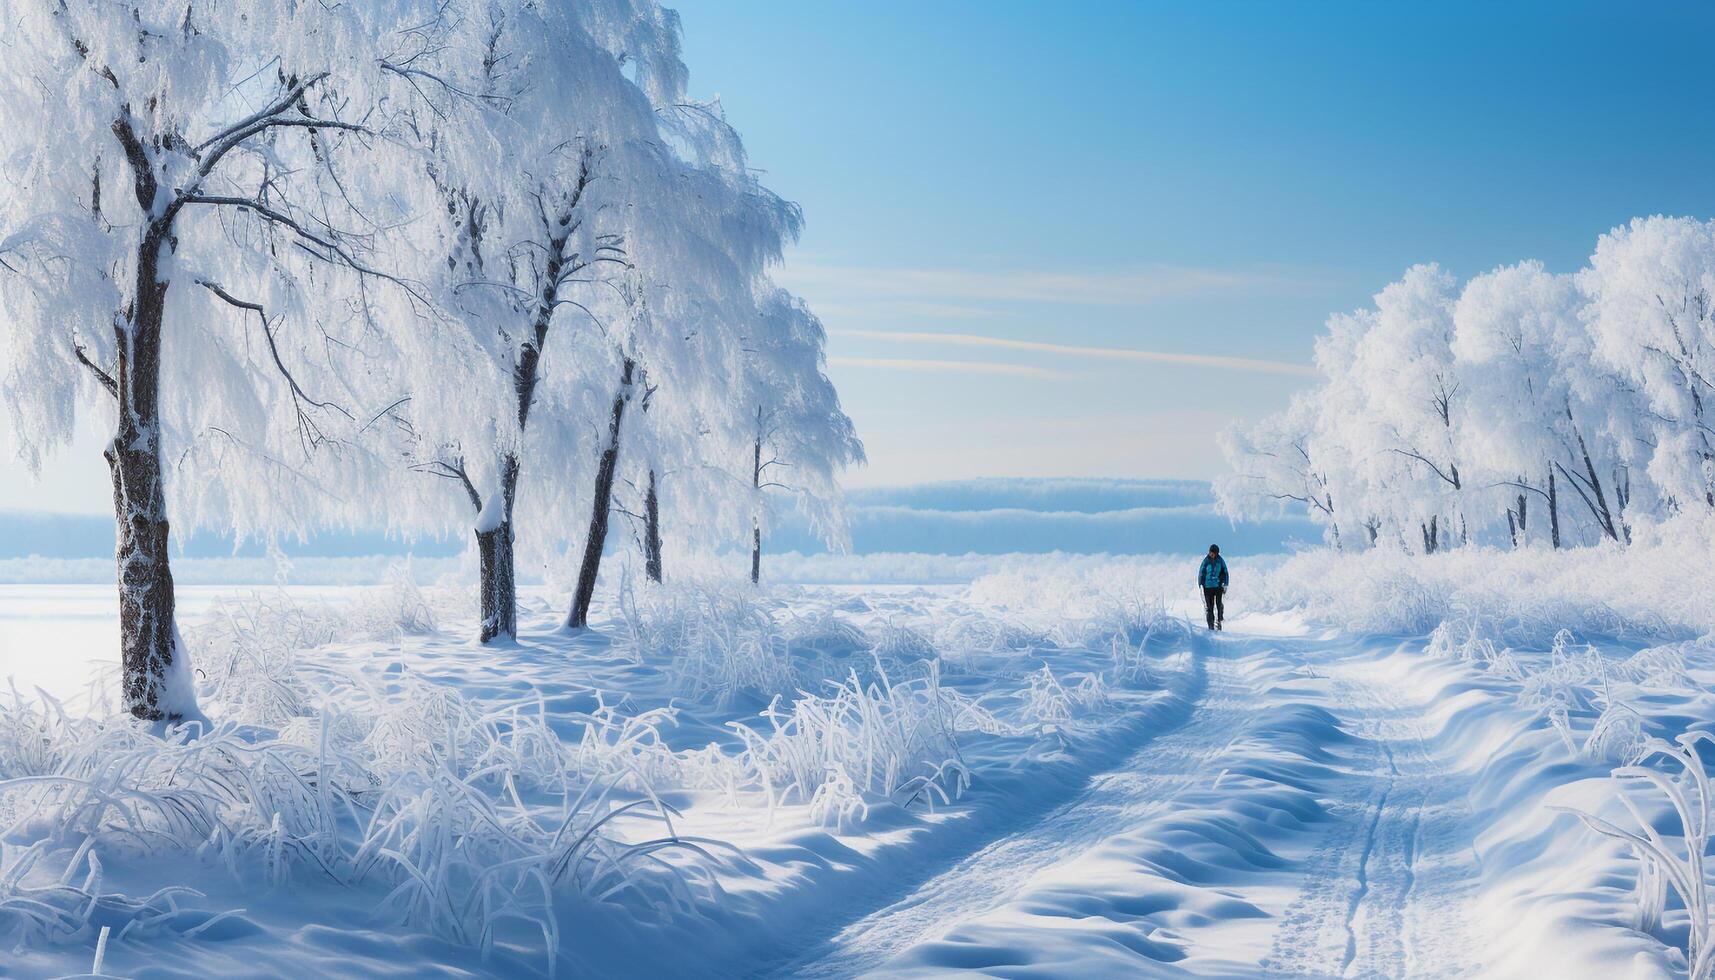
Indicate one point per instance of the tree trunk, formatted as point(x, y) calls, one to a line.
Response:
point(496, 563)
point(756, 521)
point(499, 582)
point(154, 684)
point(1518, 519)
point(652, 531)
point(755, 553)
point(1622, 500)
point(600, 507)
point(1553, 510)
point(1429, 535)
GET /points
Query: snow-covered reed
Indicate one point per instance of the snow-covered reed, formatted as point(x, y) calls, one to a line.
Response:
point(864, 742)
point(467, 814)
point(1664, 861)
point(442, 825)
point(1051, 701)
point(65, 910)
point(246, 649)
point(717, 639)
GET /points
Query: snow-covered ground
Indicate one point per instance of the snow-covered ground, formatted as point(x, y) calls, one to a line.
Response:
point(1053, 771)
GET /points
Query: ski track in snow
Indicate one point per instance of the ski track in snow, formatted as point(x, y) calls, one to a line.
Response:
point(1394, 891)
point(1144, 784)
point(1378, 886)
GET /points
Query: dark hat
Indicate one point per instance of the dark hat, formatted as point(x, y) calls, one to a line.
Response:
point(1215, 549)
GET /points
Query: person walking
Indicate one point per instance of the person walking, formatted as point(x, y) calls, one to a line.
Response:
point(1212, 577)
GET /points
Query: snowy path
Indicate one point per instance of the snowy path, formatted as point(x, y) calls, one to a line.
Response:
point(1267, 802)
point(1384, 893)
point(1145, 783)
point(1299, 824)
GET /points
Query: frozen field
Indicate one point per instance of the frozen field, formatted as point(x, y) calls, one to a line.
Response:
point(1050, 772)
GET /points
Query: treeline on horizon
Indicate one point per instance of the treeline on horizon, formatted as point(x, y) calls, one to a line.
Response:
point(1520, 408)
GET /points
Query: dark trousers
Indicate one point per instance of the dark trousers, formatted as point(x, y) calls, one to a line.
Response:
point(1214, 607)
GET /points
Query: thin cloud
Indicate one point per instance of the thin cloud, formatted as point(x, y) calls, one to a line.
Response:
point(1126, 288)
point(927, 366)
point(1253, 365)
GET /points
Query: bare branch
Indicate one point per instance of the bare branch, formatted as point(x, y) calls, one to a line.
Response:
point(309, 432)
point(105, 378)
point(335, 252)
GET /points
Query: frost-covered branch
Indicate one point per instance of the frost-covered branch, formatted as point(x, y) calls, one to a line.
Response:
point(310, 433)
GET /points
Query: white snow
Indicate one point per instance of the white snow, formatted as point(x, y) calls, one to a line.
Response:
point(1054, 771)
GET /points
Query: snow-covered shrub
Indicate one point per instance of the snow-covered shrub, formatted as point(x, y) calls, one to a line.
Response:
point(1676, 863)
point(719, 639)
point(246, 650)
point(969, 640)
point(1047, 701)
point(394, 608)
point(1525, 594)
point(1130, 665)
point(246, 653)
point(883, 740)
point(1663, 666)
point(900, 644)
point(824, 633)
point(628, 749)
point(1618, 734)
point(1566, 685)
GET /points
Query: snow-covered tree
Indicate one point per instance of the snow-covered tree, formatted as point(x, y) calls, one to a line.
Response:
point(1273, 469)
point(800, 440)
point(1402, 371)
point(1540, 416)
point(542, 149)
point(1651, 314)
point(1538, 406)
point(191, 233)
point(684, 313)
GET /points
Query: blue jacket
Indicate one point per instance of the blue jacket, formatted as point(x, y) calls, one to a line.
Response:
point(1212, 574)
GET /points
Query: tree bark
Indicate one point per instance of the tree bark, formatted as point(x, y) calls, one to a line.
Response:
point(596, 540)
point(499, 582)
point(652, 531)
point(755, 553)
point(496, 565)
point(148, 633)
point(1553, 510)
point(756, 521)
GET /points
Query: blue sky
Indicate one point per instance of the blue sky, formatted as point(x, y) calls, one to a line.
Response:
point(1050, 183)
point(1205, 179)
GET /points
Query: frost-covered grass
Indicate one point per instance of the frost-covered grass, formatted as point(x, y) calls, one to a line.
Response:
point(1647, 591)
point(863, 742)
point(464, 814)
point(487, 795)
point(1666, 861)
point(509, 799)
